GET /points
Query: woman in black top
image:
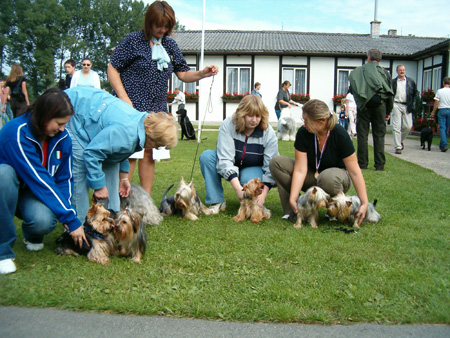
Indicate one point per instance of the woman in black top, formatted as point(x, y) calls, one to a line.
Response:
point(324, 156)
point(16, 90)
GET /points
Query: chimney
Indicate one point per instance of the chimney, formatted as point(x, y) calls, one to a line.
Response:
point(375, 28)
point(375, 24)
point(392, 32)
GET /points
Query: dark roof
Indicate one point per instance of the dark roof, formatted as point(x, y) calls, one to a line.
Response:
point(299, 43)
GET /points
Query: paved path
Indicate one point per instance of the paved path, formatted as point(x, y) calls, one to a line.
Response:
point(49, 323)
point(435, 160)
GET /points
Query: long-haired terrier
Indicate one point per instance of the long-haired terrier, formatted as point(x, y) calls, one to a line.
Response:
point(140, 202)
point(130, 236)
point(286, 127)
point(309, 204)
point(97, 229)
point(184, 202)
point(249, 207)
point(344, 209)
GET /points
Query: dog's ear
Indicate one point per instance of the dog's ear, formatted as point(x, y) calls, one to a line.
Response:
point(349, 203)
point(182, 182)
point(135, 221)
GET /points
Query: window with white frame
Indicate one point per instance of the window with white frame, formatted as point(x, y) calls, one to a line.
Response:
point(238, 80)
point(184, 87)
point(426, 79)
point(437, 73)
point(342, 81)
point(297, 78)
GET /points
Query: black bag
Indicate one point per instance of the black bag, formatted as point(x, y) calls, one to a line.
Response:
point(16, 92)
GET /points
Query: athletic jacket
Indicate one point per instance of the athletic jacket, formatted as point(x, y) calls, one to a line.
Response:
point(53, 187)
point(236, 150)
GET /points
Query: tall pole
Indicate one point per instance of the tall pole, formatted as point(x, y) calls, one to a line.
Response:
point(376, 11)
point(202, 99)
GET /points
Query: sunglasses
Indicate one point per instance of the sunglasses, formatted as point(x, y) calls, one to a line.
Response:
point(87, 64)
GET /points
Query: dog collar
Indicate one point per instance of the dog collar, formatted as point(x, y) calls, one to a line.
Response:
point(89, 230)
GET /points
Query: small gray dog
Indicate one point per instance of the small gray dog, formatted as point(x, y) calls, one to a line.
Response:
point(309, 205)
point(141, 203)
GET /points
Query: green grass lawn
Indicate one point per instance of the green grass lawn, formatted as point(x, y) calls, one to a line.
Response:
point(396, 271)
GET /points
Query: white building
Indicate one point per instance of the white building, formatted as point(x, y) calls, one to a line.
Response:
point(315, 63)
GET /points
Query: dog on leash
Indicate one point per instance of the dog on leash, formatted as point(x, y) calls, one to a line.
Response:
point(249, 208)
point(184, 202)
point(187, 129)
point(286, 127)
point(344, 209)
point(426, 135)
point(97, 229)
point(130, 236)
point(141, 203)
point(309, 205)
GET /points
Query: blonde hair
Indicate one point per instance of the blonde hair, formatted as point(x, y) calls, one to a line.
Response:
point(162, 129)
point(251, 105)
point(318, 110)
point(16, 71)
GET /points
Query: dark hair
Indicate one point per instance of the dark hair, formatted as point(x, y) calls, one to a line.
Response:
point(446, 80)
point(257, 84)
point(86, 59)
point(54, 103)
point(285, 83)
point(374, 54)
point(70, 62)
point(161, 14)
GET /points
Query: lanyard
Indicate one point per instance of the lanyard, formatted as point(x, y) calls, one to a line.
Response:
point(316, 175)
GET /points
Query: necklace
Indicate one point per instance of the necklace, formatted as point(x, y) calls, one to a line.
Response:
point(316, 175)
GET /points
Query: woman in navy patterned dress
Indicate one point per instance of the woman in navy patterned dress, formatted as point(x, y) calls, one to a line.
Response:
point(141, 67)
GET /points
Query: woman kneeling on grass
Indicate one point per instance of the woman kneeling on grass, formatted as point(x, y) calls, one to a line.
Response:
point(245, 145)
point(36, 176)
point(324, 156)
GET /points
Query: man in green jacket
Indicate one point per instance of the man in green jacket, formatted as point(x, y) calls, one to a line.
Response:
point(371, 85)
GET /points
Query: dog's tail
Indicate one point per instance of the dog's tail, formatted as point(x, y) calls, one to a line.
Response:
point(165, 192)
point(375, 202)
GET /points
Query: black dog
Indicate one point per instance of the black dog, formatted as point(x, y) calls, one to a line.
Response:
point(426, 135)
point(187, 129)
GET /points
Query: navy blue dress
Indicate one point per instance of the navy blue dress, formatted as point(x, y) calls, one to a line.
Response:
point(145, 85)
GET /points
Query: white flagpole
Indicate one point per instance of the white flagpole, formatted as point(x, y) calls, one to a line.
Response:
point(202, 99)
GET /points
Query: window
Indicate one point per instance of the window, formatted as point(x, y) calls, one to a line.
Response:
point(437, 74)
point(342, 84)
point(297, 77)
point(426, 79)
point(238, 80)
point(184, 87)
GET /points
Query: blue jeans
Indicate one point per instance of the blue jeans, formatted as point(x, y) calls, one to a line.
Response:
point(80, 198)
point(444, 124)
point(213, 181)
point(38, 219)
point(278, 113)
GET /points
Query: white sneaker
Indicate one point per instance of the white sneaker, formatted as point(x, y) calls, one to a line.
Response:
point(7, 266)
point(33, 246)
point(215, 208)
point(285, 216)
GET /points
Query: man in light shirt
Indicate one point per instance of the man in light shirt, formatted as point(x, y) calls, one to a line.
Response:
point(442, 102)
point(180, 99)
point(405, 92)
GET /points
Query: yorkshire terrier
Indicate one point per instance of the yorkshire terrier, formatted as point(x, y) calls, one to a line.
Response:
point(184, 202)
point(344, 209)
point(140, 202)
point(249, 208)
point(426, 135)
point(130, 236)
point(97, 228)
point(309, 205)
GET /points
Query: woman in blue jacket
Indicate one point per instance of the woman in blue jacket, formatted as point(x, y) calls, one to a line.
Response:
point(36, 176)
point(105, 131)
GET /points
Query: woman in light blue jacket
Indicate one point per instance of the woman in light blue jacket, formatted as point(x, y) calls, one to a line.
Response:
point(105, 131)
